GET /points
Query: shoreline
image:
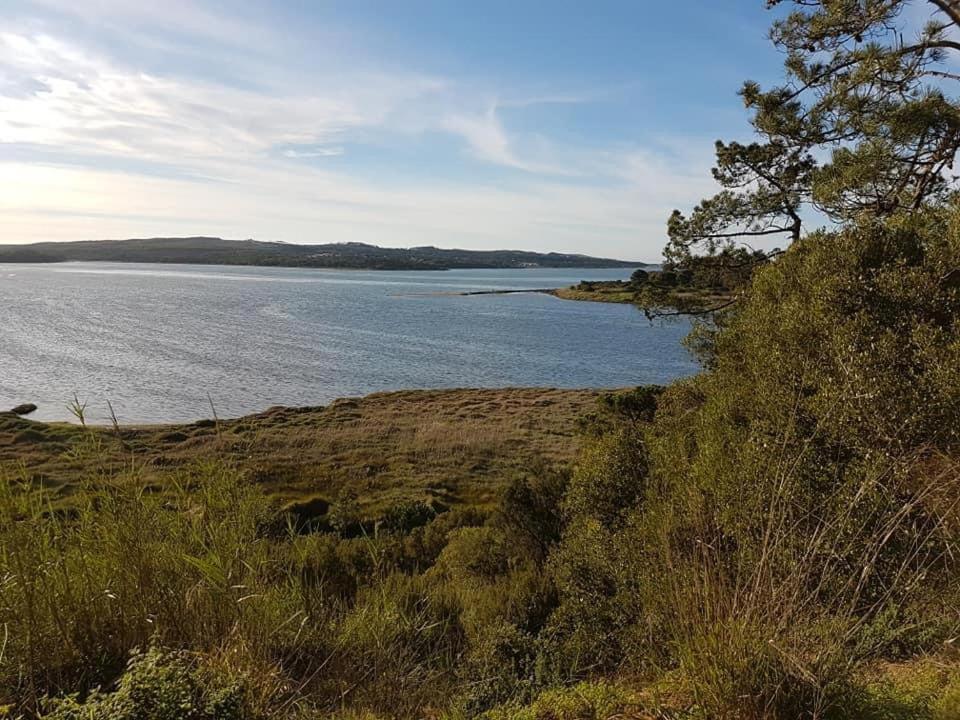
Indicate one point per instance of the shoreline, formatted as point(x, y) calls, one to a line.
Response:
point(563, 293)
point(9, 416)
point(458, 446)
point(616, 292)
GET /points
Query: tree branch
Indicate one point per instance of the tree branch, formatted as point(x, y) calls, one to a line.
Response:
point(948, 9)
point(850, 62)
point(702, 311)
point(745, 233)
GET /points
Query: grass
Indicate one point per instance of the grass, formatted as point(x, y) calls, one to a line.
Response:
point(600, 293)
point(445, 447)
point(599, 700)
point(162, 577)
point(615, 291)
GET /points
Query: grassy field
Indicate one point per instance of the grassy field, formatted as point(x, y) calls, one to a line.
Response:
point(617, 292)
point(440, 446)
point(613, 293)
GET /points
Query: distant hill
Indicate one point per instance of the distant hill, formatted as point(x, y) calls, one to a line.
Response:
point(216, 251)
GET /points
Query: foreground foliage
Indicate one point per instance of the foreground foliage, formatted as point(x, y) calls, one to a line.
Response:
point(776, 537)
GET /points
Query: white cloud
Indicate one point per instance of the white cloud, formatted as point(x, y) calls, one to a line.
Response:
point(186, 17)
point(88, 104)
point(206, 157)
point(314, 153)
point(485, 135)
point(297, 203)
point(488, 141)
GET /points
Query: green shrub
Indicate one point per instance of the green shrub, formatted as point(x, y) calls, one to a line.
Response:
point(423, 545)
point(407, 516)
point(530, 510)
point(588, 630)
point(639, 277)
point(344, 514)
point(584, 701)
point(783, 512)
point(325, 570)
point(157, 685)
point(610, 478)
point(614, 409)
point(499, 667)
point(475, 553)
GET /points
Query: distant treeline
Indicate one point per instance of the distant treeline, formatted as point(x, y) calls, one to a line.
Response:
point(358, 256)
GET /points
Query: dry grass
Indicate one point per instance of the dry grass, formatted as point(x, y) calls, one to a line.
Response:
point(614, 292)
point(600, 293)
point(445, 446)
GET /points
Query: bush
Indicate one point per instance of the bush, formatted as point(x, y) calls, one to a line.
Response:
point(157, 685)
point(667, 278)
point(475, 553)
point(639, 277)
point(407, 516)
point(499, 667)
point(584, 701)
point(424, 544)
point(610, 478)
point(530, 510)
point(772, 525)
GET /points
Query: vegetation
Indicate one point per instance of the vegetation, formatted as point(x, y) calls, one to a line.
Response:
point(440, 447)
point(777, 537)
point(863, 125)
point(355, 256)
point(703, 284)
point(189, 593)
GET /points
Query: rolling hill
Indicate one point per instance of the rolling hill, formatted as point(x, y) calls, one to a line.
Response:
point(216, 251)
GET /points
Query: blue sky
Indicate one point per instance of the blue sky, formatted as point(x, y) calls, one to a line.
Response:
point(565, 126)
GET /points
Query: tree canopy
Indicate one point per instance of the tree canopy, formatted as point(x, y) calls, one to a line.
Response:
point(863, 124)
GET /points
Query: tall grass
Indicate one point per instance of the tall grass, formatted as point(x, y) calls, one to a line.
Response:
point(122, 568)
point(301, 623)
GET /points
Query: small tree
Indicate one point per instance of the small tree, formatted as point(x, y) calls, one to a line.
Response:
point(639, 277)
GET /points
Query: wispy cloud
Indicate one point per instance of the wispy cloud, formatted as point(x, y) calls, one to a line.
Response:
point(488, 141)
point(98, 147)
point(87, 103)
point(314, 153)
point(184, 17)
point(485, 135)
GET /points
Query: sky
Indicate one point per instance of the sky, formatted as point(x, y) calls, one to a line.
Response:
point(550, 126)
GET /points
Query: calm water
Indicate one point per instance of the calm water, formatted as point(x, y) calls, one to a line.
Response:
point(155, 340)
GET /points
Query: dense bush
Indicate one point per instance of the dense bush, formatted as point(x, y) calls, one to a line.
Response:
point(157, 686)
point(798, 512)
point(392, 620)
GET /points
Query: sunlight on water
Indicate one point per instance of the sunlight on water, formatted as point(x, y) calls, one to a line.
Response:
point(156, 340)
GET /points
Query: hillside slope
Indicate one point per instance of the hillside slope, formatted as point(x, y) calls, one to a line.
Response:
point(216, 251)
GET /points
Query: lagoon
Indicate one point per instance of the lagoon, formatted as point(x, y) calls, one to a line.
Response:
point(163, 342)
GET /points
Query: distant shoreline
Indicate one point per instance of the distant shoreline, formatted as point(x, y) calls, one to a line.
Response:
point(329, 256)
point(564, 293)
point(621, 293)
